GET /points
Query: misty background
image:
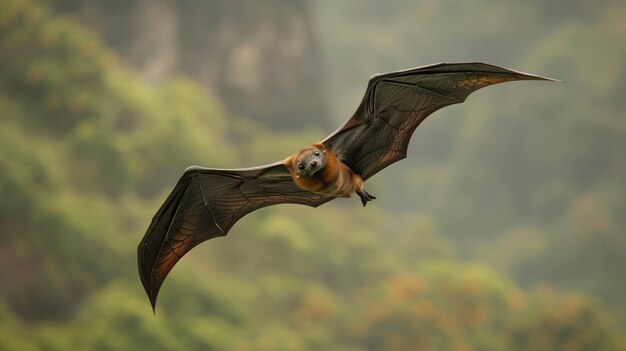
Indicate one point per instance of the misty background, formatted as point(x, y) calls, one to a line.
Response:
point(502, 230)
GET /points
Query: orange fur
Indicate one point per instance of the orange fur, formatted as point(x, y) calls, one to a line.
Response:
point(335, 179)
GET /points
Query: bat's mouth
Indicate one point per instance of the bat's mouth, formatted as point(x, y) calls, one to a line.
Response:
point(307, 174)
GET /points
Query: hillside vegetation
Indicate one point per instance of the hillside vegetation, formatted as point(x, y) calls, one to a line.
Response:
point(88, 151)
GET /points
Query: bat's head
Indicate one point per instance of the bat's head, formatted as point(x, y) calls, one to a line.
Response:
point(309, 161)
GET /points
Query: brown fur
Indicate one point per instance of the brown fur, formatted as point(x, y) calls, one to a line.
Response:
point(334, 179)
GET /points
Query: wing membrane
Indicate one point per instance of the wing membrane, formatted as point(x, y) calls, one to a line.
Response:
point(205, 204)
point(396, 103)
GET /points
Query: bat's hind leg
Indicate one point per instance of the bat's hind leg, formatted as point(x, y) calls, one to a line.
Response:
point(365, 196)
point(360, 190)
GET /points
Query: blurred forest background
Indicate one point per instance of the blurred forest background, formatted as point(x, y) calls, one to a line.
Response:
point(503, 230)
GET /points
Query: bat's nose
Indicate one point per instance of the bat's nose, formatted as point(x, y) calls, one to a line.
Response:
point(313, 164)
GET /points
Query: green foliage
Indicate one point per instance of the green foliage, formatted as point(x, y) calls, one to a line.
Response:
point(69, 171)
point(448, 308)
point(89, 152)
point(13, 335)
point(50, 67)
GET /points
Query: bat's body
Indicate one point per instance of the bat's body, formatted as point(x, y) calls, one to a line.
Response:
point(318, 170)
point(207, 202)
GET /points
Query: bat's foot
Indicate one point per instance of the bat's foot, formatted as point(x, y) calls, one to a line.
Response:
point(365, 197)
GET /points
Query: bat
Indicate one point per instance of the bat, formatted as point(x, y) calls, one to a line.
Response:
point(207, 202)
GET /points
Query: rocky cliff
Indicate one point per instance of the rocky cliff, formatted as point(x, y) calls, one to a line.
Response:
point(261, 59)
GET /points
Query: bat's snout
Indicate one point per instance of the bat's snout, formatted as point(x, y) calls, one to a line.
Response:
point(313, 164)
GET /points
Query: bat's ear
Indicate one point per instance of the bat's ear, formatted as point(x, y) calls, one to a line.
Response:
point(288, 162)
point(320, 146)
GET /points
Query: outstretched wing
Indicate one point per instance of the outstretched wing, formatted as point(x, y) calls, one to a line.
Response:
point(205, 204)
point(395, 103)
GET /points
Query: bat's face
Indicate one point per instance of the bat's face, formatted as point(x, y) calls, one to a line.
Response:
point(309, 161)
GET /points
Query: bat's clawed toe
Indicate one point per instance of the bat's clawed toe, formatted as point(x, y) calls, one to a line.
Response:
point(365, 197)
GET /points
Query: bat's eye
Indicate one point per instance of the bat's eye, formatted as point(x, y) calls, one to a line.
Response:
point(317, 153)
point(301, 166)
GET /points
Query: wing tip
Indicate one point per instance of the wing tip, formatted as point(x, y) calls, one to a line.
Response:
point(153, 300)
point(530, 76)
point(152, 291)
point(525, 75)
point(149, 281)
